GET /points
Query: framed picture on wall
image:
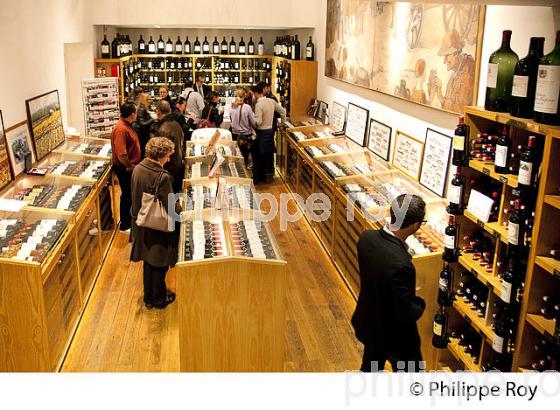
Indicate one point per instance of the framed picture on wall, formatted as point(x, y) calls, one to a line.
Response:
point(356, 123)
point(379, 139)
point(338, 116)
point(6, 174)
point(45, 122)
point(435, 164)
point(18, 142)
point(322, 110)
point(407, 155)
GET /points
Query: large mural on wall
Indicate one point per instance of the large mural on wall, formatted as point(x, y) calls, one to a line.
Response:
point(422, 52)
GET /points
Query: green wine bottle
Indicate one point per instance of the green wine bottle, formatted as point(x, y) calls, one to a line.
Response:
point(500, 76)
point(548, 87)
point(525, 80)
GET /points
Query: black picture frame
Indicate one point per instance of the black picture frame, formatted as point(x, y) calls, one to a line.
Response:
point(40, 151)
point(337, 104)
point(441, 192)
point(360, 140)
point(388, 153)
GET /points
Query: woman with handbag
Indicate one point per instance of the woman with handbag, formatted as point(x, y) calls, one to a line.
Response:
point(154, 241)
point(212, 116)
point(242, 123)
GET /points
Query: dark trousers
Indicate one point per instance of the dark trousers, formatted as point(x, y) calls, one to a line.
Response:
point(244, 142)
point(268, 160)
point(178, 176)
point(125, 180)
point(410, 362)
point(155, 290)
point(259, 173)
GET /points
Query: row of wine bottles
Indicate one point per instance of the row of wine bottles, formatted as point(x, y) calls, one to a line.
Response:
point(526, 88)
point(288, 47)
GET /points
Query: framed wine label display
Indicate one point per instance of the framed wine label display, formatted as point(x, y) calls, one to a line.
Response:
point(408, 154)
point(356, 124)
point(45, 121)
point(6, 175)
point(435, 164)
point(379, 139)
point(322, 110)
point(338, 116)
point(18, 142)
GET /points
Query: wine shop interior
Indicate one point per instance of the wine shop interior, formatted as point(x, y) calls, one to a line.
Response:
point(293, 186)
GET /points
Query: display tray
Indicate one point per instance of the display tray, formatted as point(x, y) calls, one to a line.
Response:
point(74, 166)
point(301, 121)
point(350, 164)
point(224, 148)
point(29, 236)
point(200, 167)
point(222, 193)
point(320, 147)
point(93, 147)
point(49, 192)
point(311, 132)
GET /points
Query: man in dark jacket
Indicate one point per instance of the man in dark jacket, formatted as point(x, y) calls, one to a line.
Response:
point(388, 308)
point(178, 114)
point(168, 127)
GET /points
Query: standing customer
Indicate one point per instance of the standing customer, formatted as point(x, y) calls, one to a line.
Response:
point(212, 116)
point(168, 127)
point(264, 148)
point(195, 105)
point(242, 123)
point(144, 120)
point(164, 94)
point(388, 308)
point(157, 249)
point(126, 155)
point(202, 88)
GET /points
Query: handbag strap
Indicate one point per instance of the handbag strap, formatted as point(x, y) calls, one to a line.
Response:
point(156, 185)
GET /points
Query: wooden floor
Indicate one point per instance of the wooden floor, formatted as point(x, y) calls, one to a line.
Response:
point(118, 334)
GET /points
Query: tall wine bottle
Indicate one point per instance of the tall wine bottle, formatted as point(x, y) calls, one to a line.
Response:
point(169, 46)
point(224, 46)
point(206, 46)
point(197, 46)
point(450, 249)
point(178, 46)
point(525, 80)
point(187, 49)
point(141, 45)
point(242, 48)
point(232, 46)
point(445, 288)
point(151, 46)
point(310, 50)
point(503, 147)
point(455, 193)
point(459, 143)
point(296, 49)
point(105, 47)
point(160, 45)
point(547, 101)
point(251, 46)
point(500, 76)
point(260, 47)
point(439, 337)
point(215, 46)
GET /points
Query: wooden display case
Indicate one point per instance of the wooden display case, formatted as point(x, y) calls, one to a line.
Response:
point(299, 84)
point(52, 161)
point(88, 147)
point(199, 167)
point(225, 148)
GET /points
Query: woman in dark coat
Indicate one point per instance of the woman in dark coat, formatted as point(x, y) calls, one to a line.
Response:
point(157, 249)
point(144, 121)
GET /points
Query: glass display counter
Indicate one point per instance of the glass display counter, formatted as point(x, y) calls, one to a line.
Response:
point(350, 164)
point(86, 146)
point(74, 166)
point(320, 147)
point(200, 167)
point(224, 148)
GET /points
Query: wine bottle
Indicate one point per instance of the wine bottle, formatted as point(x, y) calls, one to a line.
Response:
point(459, 143)
point(197, 48)
point(310, 50)
point(141, 45)
point(503, 145)
point(508, 281)
point(242, 49)
point(187, 49)
point(275, 47)
point(260, 47)
point(527, 166)
point(224, 46)
point(445, 294)
point(105, 47)
point(251, 46)
point(160, 45)
point(500, 76)
point(455, 194)
point(206, 46)
point(296, 49)
point(548, 87)
point(129, 43)
point(232, 47)
point(514, 228)
point(178, 46)
point(450, 249)
point(439, 337)
point(525, 80)
point(215, 46)
point(169, 46)
point(115, 50)
point(289, 45)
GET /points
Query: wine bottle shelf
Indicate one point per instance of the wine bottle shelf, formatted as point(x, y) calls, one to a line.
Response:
point(553, 200)
point(459, 353)
point(510, 120)
point(544, 326)
point(487, 168)
point(487, 278)
point(493, 228)
point(472, 317)
point(550, 265)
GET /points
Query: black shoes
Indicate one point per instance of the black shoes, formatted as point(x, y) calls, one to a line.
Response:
point(169, 299)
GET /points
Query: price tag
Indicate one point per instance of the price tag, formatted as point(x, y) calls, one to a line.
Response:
point(503, 180)
point(485, 171)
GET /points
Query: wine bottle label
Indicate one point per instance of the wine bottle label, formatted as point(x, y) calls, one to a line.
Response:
point(251, 49)
point(506, 291)
point(142, 47)
point(520, 86)
point(492, 79)
point(105, 49)
point(206, 48)
point(501, 155)
point(459, 143)
point(450, 241)
point(309, 52)
point(498, 344)
point(168, 48)
point(152, 48)
point(513, 233)
point(261, 50)
point(216, 50)
point(179, 48)
point(548, 88)
point(525, 171)
point(454, 194)
point(438, 329)
point(443, 285)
